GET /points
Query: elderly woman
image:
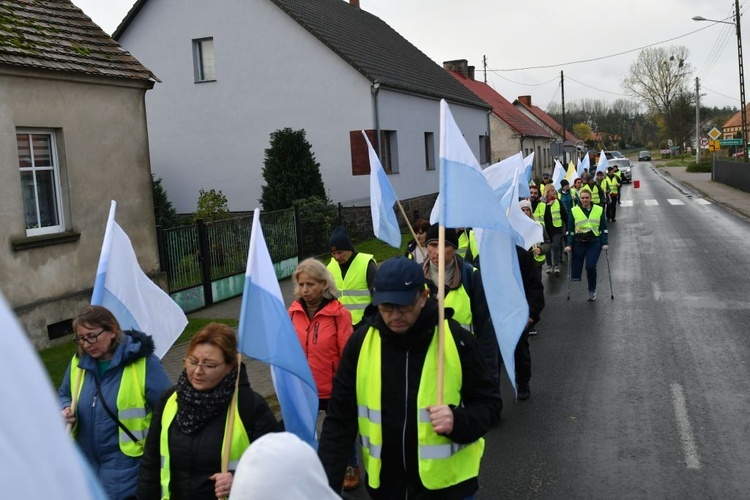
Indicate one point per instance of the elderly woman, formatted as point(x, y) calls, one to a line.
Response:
point(323, 327)
point(185, 444)
point(416, 250)
point(107, 396)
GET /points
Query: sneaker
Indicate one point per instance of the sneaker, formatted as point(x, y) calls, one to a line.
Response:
point(592, 296)
point(351, 479)
point(557, 271)
point(549, 269)
point(523, 392)
point(533, 330)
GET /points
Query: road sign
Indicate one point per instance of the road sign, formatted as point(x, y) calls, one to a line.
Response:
point(715, 133)
point(704, 142)
point(731, 142)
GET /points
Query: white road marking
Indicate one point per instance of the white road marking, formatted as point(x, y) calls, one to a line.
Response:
point(702, 201)
point(673, 201)
point(650, 203)
point(656, 290)
point(626, 203)
point(689, 448)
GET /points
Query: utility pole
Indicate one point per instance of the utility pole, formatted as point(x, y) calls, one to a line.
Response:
point(742, 78)
point(562, 93)
point(484, 63)
point(697, 119)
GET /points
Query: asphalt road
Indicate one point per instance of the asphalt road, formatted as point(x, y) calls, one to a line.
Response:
point(646, 395)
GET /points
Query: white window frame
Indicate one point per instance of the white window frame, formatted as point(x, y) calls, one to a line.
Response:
point(55, 169)
point(204, 60)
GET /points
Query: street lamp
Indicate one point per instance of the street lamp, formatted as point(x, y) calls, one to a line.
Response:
point(736, 24)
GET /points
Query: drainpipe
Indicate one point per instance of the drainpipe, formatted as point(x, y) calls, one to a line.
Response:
point(374, 89)
point(489, 136)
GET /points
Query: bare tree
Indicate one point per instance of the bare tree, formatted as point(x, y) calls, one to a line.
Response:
point(659, 77)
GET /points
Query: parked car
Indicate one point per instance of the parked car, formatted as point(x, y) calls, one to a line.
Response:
point(644, 156)
point(739, 154)
point(617, 158)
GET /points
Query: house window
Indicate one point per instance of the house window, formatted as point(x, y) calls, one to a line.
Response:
point(203, 60)
point(484, 149)
point(429, 150)
point(40, 181)
point(385, 145)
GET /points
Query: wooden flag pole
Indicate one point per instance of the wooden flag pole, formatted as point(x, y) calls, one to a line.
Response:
point(230, 419)
point(441, 314)
point(411, 230)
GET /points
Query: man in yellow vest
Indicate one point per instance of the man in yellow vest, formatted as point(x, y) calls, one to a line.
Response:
point(587, 237)
point(386, 389)
point(611, 185)
point(353, 273)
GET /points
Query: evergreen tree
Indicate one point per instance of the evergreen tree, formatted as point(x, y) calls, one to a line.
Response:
point(164, 212)
point(290, 171)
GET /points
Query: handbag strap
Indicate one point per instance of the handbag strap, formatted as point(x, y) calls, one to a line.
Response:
point(110, 412)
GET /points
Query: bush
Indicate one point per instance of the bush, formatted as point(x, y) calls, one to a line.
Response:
point(704, 166)
point(212, 205)
point(164, 212)
point(317, 217)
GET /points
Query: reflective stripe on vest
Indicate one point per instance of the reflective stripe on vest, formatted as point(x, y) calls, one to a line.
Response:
point(463, 244)
point(590, 223)
point(611, 184)
point(131, 404)
point(460, 302)
point(442, 463)
point(556, 218)
point(239, 443)
point(355, 296)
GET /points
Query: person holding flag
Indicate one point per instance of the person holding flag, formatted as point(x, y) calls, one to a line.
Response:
point(412, 444)
point(108, 394)
point(210, 412)
point(587, 237)
point(553, 215)
point(353, 273)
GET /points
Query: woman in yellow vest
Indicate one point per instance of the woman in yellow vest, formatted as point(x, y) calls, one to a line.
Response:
point(385, 388)
point(587, 237)
point(185, 443)
point(113, 376)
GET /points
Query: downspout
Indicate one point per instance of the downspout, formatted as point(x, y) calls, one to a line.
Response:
point(489, 136)
point(374, 89)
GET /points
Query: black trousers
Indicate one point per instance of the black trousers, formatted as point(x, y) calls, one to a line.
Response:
point(522, 358)
point(612, 208)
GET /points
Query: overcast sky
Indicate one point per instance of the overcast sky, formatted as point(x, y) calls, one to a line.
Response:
point(551, 33)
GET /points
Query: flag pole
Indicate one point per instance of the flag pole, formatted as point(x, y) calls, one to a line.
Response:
point(411, 229)
point(230, 421)
point(441, 313)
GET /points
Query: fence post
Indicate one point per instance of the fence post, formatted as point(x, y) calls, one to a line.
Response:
point(298, 229)
point(340, 215)
point(204, 256)
point(162, 247)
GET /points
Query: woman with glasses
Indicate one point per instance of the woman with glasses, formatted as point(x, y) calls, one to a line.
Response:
point(107, 395)
point(190, 428)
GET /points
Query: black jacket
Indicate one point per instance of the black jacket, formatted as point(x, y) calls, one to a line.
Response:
point(196, 457)
point(402, 360)
point(532, 282)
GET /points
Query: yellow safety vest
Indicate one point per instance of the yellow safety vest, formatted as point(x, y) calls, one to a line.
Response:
point(131, 404)
point(442, 463)
point(539, 211)
point(556, 218)
point(594, 194)
point(590, 223)
point(473, 245)
point(611, 184)
point(239, 443)
point(463, 243)
point(541, 257)
point(355, 296)
point(460, 302)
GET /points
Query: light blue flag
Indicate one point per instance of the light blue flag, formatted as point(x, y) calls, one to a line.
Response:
point(523, 187)
point(558, 174)
point(603, 163)
point(382, 199)
point(266, 333)
point(584, 165)
point(136, 301)
point(40, 460)
point(467, 200)
point(528, 231)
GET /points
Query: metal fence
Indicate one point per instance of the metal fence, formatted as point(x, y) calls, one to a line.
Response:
point(732, 173)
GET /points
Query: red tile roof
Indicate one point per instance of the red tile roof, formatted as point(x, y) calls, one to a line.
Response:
point(546, 119)
point(503, 108)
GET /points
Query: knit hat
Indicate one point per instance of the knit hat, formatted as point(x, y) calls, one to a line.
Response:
point(564, 183)
point(451, 237)
point(525, 204)
point(397, 281)
point(340, 240)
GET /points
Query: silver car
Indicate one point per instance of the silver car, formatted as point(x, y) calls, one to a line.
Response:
point(623, 164)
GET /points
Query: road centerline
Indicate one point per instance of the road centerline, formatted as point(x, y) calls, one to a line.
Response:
point(689, 448)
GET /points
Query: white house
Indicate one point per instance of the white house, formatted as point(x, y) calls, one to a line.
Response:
point(234, 71)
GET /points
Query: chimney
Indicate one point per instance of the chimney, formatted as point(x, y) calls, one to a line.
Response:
point(459, 66)
point(525, 99)
point(471, 72)
point(354, 3)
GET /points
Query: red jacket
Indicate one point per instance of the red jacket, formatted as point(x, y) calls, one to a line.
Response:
point(323, 339)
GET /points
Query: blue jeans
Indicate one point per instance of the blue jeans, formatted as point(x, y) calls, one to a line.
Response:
point(590, 253)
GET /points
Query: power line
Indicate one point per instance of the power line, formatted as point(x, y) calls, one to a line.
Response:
point(719, 93)
point(595, 88)
point(547, 66)
point(520, 83)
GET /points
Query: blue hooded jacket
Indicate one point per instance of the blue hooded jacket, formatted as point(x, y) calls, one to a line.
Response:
point(98, 433)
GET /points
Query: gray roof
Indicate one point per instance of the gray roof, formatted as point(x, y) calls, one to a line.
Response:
point(376, 50)
point(56, 35)
point(369, 45)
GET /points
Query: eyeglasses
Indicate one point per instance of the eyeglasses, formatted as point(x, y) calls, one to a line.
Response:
point(89, 339)
point(206, 366)
point(389, 308)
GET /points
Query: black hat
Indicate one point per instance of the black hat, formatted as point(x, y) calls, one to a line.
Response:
point(397, 281)
point(545, 174)
point(340, 240)
point(563, 182)
point(451, 237)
